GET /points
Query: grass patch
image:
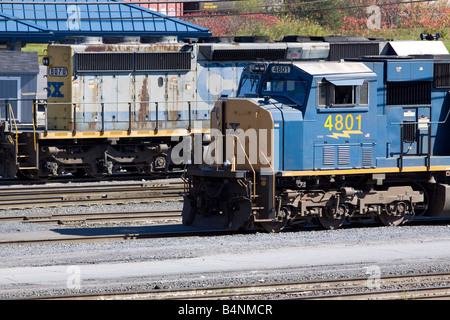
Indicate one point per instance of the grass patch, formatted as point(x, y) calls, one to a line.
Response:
point(40, 48)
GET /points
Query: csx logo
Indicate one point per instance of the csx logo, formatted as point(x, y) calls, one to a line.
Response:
point(53, 89)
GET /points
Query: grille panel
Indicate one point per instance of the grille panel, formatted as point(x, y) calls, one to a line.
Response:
point(408, 93)
point(329, 156)
point(137, 61)
point(251, 54)
point(442, 75)
point(367, 157)
point(104, 62)
point(340, 51)
point(343, 156)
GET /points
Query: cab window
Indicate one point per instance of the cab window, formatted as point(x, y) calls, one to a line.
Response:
point(342, 96)
point(248, 86)
point(295, 90)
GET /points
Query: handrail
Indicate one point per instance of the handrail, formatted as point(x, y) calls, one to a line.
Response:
point(33, 110)
point(187, 109)
point(114, 102)
point(251, 166)
point(15, 124)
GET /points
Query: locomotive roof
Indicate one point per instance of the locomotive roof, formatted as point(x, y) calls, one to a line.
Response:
point(335, 68)
point(405, 48)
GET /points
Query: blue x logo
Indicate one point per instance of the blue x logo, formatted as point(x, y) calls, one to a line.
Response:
point(53, 89)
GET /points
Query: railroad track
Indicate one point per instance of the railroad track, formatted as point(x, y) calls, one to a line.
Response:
point(84, 218)
point(392, 287)
point(63, 195)
point(107, 234)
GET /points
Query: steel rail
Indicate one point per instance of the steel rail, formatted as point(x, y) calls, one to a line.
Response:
point(429, 293)
point(85, 217)
point(20, 190)
point(18, 198)
point(305, 289)
point(89, 235)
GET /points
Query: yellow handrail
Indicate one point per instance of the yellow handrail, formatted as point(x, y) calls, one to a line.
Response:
point(246, 157)
point(15, 125)
point(33, 109)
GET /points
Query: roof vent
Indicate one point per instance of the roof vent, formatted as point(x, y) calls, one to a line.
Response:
point(252, 39)
point(121, 40)
point(159, 39)
point(82, 40)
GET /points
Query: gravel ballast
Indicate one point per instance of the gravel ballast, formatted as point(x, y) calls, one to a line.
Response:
point(231, 259)
point(308, 254)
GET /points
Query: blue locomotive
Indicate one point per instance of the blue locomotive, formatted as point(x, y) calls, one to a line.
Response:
point(331, 141)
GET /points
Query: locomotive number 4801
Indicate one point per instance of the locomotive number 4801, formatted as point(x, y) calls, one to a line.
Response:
point(339, 123)
point(281, 69)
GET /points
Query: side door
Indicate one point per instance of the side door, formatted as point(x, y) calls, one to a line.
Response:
point(9, 94)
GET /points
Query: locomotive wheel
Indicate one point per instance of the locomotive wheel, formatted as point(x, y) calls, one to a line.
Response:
point(276, 225)
point(297, 224)
point(390, 220)
point(94, 174)
point(395, 217)
point(331, 221)
point(189, 210)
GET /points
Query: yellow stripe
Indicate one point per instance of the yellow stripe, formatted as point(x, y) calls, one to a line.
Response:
point(118, 134)
point(360, 171)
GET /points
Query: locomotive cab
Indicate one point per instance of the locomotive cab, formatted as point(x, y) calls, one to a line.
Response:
point(273, 124)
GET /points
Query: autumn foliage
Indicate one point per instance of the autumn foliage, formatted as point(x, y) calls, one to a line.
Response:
point(350, 17)
point(429, 17)
point(230, 25)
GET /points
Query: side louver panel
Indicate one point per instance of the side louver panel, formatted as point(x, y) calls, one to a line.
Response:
point(147, 61)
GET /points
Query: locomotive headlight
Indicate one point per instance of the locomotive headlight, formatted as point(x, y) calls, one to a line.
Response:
point(46, 61)
point(207, 137)
point(258, 67)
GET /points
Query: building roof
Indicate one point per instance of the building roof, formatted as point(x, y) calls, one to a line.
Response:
point(52, 20)
point(18, 62)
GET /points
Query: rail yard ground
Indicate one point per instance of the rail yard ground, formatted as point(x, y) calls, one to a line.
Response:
point(33, 270)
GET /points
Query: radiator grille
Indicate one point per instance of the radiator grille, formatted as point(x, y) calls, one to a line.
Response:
point(409, 131)
point(343, 156)
point(329, 156)
point(442, 75)
point(251, 54)
point(148, 61)
point(408, 93)
point(340, 51)
point(163, 61)
point(367, 157)
point(104, 62)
